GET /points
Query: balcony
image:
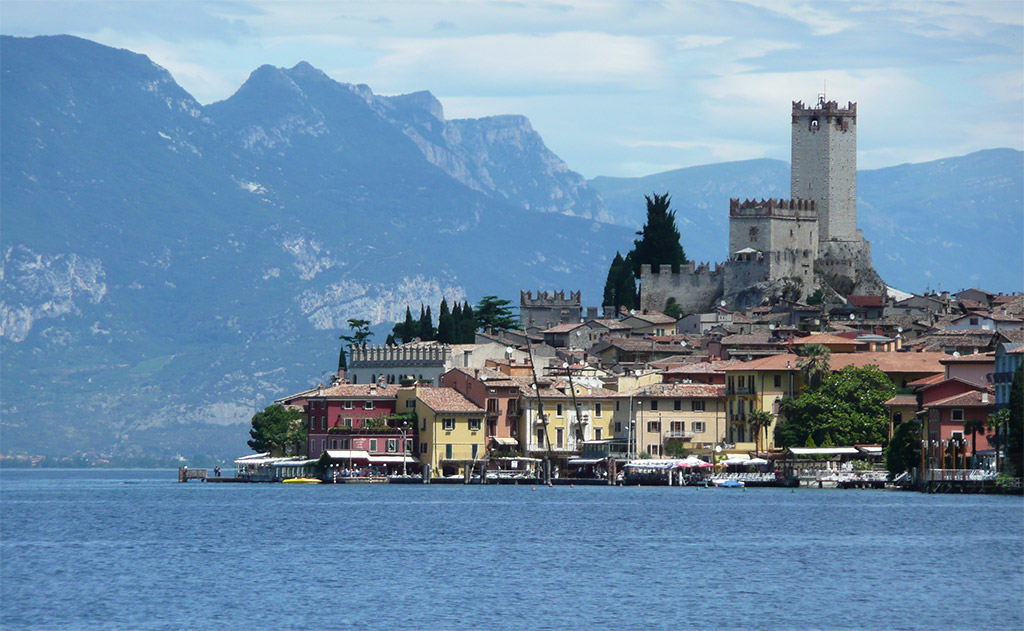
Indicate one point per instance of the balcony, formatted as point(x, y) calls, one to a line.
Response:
point(680, 434)
point(745, 390)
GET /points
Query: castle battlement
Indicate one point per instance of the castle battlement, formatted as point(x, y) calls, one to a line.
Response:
point(552, 299)
point(802, 209)
point(407, 353)
point(825, 108)
point(689, 269)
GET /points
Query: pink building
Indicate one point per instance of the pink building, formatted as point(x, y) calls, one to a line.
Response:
point(347, 412)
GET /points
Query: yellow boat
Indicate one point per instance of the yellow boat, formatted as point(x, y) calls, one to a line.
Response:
point(301, 481)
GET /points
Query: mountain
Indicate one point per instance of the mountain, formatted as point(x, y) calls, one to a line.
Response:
point(168, 267)
point(949, 224)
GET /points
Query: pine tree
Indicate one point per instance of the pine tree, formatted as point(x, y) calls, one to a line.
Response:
point(445, 324)
point(659, 243)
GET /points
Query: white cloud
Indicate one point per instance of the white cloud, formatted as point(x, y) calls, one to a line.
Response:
point(690, 42)
point(822, 22)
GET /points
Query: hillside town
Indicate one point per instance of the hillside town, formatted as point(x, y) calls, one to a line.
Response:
point(790, 362)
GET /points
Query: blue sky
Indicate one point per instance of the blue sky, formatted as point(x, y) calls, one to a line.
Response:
point(622, 88)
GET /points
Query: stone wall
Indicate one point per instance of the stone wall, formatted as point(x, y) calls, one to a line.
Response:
point(773, 225)
point(824, 165)
point(548, 309)
point(695, 288)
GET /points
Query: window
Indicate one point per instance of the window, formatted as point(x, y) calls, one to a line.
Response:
point(323, 444)
point(654, 426)
point(392, 445)
point(448, 424)
point(423, 424)
point(697, 405)
point(448, 451)
point(475, 447)
point(408, 445)
point(957, 415)
point(312, 422)
point(558, 410)
point(323, 423)
point(597, 433)
point(410, 404)
point(540, 438)
point(655, 450)
point(373, 444)
point(348, 422)
point(974, 321)
point(618, 427)
point(616, 406)
point(334, 443)
point(559, 437)
point(367, 405)
point(348, 405)
point(677, 427)
point(697, 427)
point(654, 404)
point(743, 382)
point(423, 447)
point(777, 381)
point(345, 443)
point(474, 424)
point(597, 409)
point(677, 405)
point(753, 235)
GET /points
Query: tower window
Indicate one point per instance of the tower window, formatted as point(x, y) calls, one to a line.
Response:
point(753, 235)
point(814, 124)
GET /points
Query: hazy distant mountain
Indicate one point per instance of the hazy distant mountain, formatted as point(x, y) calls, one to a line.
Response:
point(168, 267)
point(950, 224)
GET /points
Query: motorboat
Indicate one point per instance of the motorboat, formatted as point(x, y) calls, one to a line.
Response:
point(301, 481)
point(728, 484)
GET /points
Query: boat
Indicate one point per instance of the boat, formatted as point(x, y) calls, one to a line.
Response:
point(728, 484)
point(301, 481)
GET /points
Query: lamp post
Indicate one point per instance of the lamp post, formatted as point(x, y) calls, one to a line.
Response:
point(403, 429)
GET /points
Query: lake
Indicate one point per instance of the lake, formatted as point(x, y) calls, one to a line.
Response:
point(134, 549)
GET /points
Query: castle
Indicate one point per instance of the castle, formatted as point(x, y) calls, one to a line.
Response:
point(786, 248)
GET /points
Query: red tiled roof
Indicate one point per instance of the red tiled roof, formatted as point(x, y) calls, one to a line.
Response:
point(972, 358)
point(700, 368)
point(824, 339)
point(971, 399)
point(563, 328)
point(902, 399)
point(676, 391)
point(866, 301)
point(356, 391)
point(926, 381)
point(446, 400)
point(887, 362)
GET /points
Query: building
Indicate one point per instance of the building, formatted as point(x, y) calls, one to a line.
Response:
point(451, 429)
point(422, 362)
point(1009, 356)
point(340, 413)
point(670, 418)
point(498, 394)
point(557, 423)
point(548, 309)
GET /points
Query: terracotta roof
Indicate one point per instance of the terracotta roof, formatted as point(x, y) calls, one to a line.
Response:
point(559, 389)
point(563, 328)
point(610, 323)
point(446, 400)
point(357, 391)
point(887, 362)
point(866, 301)
point(969, 384)
point(752, 338)
point(972, 358)
point(676, 391)
point(926, 381)
point(654, 317)
point(972, 399)
point(700, 368)
point(902, 399)
point(1012, 335)
point(824, 339)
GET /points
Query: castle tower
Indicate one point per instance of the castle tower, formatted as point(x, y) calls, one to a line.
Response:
point(824, 165)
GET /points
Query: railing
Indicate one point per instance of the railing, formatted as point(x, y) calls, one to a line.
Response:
point(738, 390)
point(961, 475)
point(679, 434)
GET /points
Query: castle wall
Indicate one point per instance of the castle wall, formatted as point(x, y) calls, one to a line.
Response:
point(824, 165)
point(695, 289)
point(548, 309)
point(773, 225)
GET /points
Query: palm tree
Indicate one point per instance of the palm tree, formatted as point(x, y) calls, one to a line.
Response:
point(760, 420)
point(974, 425)
point(815, 364)
point(996, 423)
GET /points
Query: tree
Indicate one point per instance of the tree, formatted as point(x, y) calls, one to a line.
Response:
point(659, 242)
point(620, 285)
point(816, 298)
point(456, 321)
point(759, 420)
point(426, 327)
point(1015, 423)
point(496, 314)
point(275, 429)
point(672, 308)
point(904, 450)
point(997, 423)
point(445, 324)
point(467, 326)
point(815, 364)
point(359, 336)
point(406, 330)
point(973, 426)
point(848, 408)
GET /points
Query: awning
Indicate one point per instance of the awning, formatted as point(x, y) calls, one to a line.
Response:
point(347, 454)
point(823, 451)
point(584, 461)
point(397, 459)
point(293, 463)
point(502, 440)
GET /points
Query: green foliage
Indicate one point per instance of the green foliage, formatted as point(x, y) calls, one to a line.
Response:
point(659, 242)
point(495, 313)
point(672, 308)
point(445, 324)
point(407, 329)
point(674, 448)
point(847, 409)
point(620, 286)
point(973, 426)
point(426, 327)
point(904, 450)
point(816, 298)
point(1015, 424)
point(466, 326)
point(277, 429)
point(997, 424)
point(760, 419)
point(815, 364)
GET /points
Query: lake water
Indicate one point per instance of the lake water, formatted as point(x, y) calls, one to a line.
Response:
point(137, 550)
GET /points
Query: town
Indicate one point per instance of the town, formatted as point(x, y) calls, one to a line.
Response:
point(789, 363)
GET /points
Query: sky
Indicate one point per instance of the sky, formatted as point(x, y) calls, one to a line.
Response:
point(615, 87)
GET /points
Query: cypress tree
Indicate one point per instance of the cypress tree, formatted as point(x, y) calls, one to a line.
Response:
point(659, 243)
point(409, 326)
point(445, 324)
point(426, 324)
point(467, 326)
point(612, 281)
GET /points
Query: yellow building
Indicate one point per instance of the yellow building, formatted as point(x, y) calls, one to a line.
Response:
point(555, 429)
point(668, 418)
point(451, 429)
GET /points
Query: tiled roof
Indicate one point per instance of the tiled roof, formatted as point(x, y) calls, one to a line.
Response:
point(611, 323)
point(446, 400)
point(972, 358)
point(902, 399)
point(676, 391)
point(866, 301)
point(926, 381)
point(654, 317)
point(752, 338)
point(824, 339)
point(1012, 335)
point(357, 391)
point(700, 368)
point(563, 328)
point(887, 362)
point(972, 399)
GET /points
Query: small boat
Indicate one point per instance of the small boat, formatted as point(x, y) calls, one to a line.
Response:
point(728, 484)
point(301, 481)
